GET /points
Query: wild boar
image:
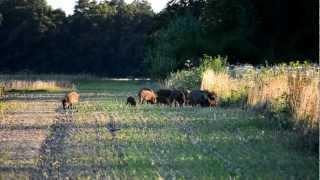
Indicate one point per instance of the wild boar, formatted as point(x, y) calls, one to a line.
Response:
point(70, 99)
point(177, 97)
point(164, 96)
point(203, 98)
point(131, 101)
point(213, 98)
point(147, 95)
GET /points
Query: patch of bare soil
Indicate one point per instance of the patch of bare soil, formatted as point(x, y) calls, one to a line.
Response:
point(24, 126)
point(51, 160)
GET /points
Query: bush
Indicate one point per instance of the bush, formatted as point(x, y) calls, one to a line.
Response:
point(216, 64)
point(190, 79)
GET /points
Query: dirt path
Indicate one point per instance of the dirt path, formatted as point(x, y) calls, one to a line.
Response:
point(51, 161)
point(23, 129)
point(33, 135)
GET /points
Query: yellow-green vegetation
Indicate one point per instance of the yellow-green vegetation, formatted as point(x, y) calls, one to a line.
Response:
point(37, 85)
point(185, 143)
point(292, 90)
point(230, 90)
point(2, 91)
point(154, 142)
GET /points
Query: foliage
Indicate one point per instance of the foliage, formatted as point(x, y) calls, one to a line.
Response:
point(189, 79)
point(216, 64)
point(105, 38)
point(181, 40)
point(114, 38)
point(244, 30)
point(229, 27)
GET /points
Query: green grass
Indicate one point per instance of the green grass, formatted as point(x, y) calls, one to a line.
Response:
point(186, 143)
point(116, 87)
point(159, 142)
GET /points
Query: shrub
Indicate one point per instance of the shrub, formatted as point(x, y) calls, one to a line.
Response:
point(190, 79)
point(216, 64)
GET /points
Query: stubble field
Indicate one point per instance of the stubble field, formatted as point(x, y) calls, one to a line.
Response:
point(39, 140)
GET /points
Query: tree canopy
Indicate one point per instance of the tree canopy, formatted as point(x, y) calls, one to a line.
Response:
point(116, 39)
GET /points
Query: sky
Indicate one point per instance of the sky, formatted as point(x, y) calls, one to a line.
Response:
point(68, 5)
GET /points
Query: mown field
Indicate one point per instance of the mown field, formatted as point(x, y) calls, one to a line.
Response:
point(39, 140)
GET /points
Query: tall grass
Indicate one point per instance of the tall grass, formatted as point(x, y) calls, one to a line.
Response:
point(230, 90)
point(294, 91)
point(298, 88)
point(46, 77)
point(2, 92)
point(36, 85)
point(266, 91)
point(304, 98)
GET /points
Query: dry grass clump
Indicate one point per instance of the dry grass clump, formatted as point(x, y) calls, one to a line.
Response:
point(226, 87)
point(266, 91)
point(304, 98)
point(36, 85)
point(297, 90)
point(292, 90)
point(26, 76)
point(2, 93)
point(304, 103)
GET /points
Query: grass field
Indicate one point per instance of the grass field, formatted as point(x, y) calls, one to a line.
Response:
point(40, 140)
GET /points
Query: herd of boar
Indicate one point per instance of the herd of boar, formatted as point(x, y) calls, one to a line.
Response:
point(176, 97)
point(163, 96)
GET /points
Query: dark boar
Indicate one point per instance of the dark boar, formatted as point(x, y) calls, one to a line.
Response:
point(177, 97)
point(198, 97)
point(186, 93)
point(131, 101)
point(203, 98)
point(213, 98)
point(164, 96)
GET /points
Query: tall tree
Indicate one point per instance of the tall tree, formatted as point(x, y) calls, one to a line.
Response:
point(180, 41)
point(229, 25)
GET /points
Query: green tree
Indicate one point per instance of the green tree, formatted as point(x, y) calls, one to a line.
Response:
point(82, 6)
point(180, 41)
point(229, 25)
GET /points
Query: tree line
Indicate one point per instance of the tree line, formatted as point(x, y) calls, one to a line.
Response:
point(117, 39)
